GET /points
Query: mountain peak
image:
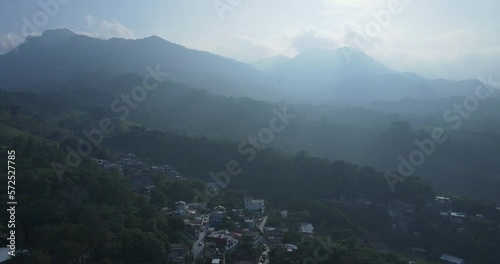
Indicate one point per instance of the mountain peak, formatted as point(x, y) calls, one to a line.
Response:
point(59, 33)
point(154, 38)
point(49, 38)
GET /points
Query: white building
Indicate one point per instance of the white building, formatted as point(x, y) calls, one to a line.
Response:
point(222, 240)
point(254, 204)
point(181, 205)
point(306, 228)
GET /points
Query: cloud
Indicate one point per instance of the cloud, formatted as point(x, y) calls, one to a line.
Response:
point(243, 48)
point(106, 29)
point(90, 20)
point(289, 42)
point(349, 7)
point(346, 34)
point(9, 41)
point(456, 54)
point(304, 38)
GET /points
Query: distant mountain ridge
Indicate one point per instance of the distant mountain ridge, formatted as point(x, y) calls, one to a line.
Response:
point(351, 76)
point(58, 55)
point(313, 76)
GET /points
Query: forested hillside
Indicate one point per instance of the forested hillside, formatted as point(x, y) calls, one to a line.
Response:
point(74, 200)
point(464, 164)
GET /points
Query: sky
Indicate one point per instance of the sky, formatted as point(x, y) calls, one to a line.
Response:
point(452, 39)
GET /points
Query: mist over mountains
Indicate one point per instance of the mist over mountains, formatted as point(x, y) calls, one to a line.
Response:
point(125, 146)
point(345, 102)
point(344, 77)
point(59, 55)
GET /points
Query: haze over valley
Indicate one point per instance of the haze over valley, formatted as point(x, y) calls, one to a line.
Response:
point(255, 135)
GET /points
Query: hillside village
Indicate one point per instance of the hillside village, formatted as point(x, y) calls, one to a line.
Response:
point(244, 235)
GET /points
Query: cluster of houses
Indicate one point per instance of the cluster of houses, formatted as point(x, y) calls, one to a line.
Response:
point(138, 172)
point(220, 242)
point(274, 235)
point(403, 213)
point(253, 232)
point(178, 254)
point(214, 241)
point(402, 218)
point(444, 205)
point(203, 223)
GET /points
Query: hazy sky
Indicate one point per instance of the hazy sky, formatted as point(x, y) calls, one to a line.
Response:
point(455, 39)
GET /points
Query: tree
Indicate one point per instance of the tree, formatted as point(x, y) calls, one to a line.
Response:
point(14, 110)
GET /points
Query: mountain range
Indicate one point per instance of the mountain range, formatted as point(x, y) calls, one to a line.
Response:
point(345, 76)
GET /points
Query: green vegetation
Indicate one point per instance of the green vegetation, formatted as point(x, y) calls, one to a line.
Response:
point(90, 216)
point(93, 216)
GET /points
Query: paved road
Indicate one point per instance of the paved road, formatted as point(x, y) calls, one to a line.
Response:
point(263, 223)
point(266, 261)
point(261, 227)
point(197, 249)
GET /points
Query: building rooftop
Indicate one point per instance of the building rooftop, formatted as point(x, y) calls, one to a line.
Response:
point(306, 228)
point(457, 214)
point(452, 259)
point(290, 247)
